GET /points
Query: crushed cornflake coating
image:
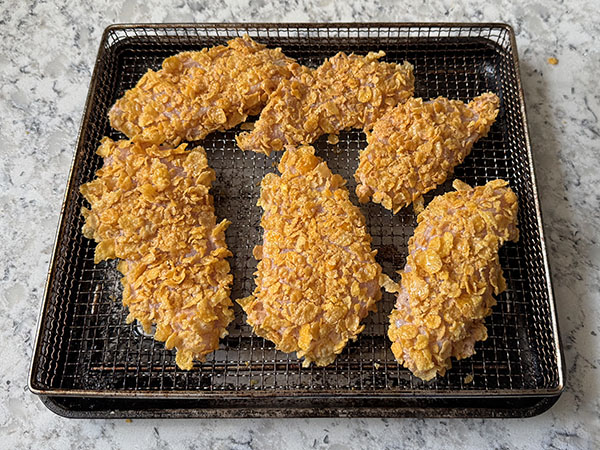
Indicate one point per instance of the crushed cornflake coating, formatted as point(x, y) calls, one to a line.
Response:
point(451, 274)
point(333, 139)
point(346, 91)
point(196, 93)
point(415, 146)
point(317, 277)
point(151, 207)
point(389, 285)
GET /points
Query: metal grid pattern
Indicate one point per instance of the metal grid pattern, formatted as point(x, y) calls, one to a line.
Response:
point(84, 344)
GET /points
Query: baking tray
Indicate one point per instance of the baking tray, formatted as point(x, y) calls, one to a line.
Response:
point(88, 363)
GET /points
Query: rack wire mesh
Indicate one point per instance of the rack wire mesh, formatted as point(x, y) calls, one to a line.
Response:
point(84, 346)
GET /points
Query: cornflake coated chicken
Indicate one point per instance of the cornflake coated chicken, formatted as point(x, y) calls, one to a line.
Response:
point(416, 145)
point(346, 91)
point(151, 207)
point(451, 274)
point(196, 93)
point(317, 277)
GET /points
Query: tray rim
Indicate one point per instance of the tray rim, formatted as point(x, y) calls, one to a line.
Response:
point(42, 391)
point(496, 411)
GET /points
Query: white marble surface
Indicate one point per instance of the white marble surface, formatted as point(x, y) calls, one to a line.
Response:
point(46, 56)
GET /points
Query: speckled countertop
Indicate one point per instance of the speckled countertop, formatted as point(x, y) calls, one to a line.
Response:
point(47, 52)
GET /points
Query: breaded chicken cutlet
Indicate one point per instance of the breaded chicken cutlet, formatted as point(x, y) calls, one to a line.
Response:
point(346, 91)
point(452, 273)
point(415, 146)
point(151, 207)
point(196, 93)
point(317, 277)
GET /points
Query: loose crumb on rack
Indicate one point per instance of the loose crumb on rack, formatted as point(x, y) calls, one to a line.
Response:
point(468, 379)
point(419, 205)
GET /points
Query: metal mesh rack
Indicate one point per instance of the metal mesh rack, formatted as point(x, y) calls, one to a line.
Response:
point(84, 347)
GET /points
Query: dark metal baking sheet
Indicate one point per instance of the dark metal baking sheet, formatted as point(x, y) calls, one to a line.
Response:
point(84, 348)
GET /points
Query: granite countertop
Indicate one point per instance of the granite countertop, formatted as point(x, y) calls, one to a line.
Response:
point(47, 53)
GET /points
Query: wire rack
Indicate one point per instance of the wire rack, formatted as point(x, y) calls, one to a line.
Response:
point(84, 346)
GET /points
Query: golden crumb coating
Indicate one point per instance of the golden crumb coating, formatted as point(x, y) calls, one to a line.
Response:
point(346, 91)
point(151, 207)
point(416, 145)
point(196, 93)
point(451, 274)
point(317, 277)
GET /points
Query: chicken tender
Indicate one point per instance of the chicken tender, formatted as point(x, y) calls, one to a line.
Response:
point(415, 146)
point(196, 93)
point(451, 275)
point(317, 277)
point(346, 91)
point(151, 207)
